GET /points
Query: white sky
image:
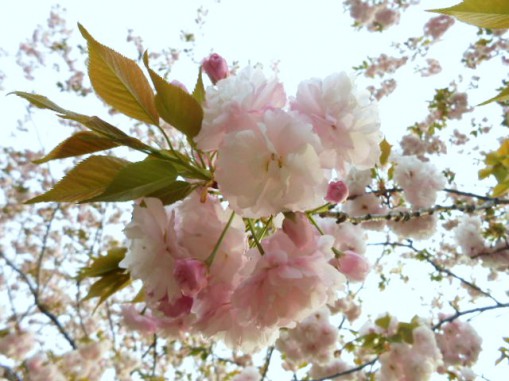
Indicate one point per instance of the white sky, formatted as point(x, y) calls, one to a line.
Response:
point(308, 38)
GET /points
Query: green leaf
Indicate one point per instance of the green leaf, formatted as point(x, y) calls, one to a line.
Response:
point(43, 102)
point(385, 151)
point(120, 82)
point(107, 286)
point(176, 106)
point(384, 322)
point(140, 179)
point(178, 190)
point(88, 179)
point(105, 264)
point(92, 122)
point(492, 14)
point(78, 144)
point(199, 89)
point(501, 97)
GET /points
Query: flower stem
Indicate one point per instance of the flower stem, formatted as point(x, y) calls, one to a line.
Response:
point(253, 234)
point(211, 257)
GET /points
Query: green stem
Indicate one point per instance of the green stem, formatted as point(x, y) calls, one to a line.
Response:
point(165, 137)
point(337, 253)
point(211, 257)
point(253, 234)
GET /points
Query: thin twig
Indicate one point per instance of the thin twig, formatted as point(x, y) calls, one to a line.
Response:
point(42, 308)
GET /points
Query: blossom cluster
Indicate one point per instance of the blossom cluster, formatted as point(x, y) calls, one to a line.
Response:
point(271, 157)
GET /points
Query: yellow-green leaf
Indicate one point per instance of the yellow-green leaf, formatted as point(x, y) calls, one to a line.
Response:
point(43, 102)
point(81, 143)
point(92, 122)
point(140, 179)
point(492, 14)
point(501, 97)
point(199, 89)
point(176, 191)
point(88, 179)
point(104, 264)
point(385, 151)
point(107, 286)
point(175, 105)
point(120, 82)
point(500, 189)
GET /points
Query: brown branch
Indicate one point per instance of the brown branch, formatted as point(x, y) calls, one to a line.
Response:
point(459, 314)
point(407, 215)
point(42, 308)
point(268, 357)
point(424, 255)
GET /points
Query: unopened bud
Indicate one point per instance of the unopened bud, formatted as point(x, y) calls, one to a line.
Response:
point(337, 192)
point(216, 67)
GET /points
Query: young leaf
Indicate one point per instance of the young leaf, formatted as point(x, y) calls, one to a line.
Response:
point(176, 106)
point(199, 89)
point(43, 102)
point(501, 97)
point(107, 286)
point(92, 122)
point(173, 193)
point(104, 264)
point(81, 143)
point(492, 14)
point(88, 179)
point(139, 179)
point(120, 82)
point(385, 151)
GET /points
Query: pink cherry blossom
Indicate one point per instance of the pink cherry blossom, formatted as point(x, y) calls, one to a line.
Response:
point(153, 249)
point(134, 320)
point(272, 167)
point(420, 181)
point(191, 276)
point(344, 118)
point(354, 266)
point(288, 283)
point(200, 224)
point(216, 67)
point(235, 103)
point(337, 192)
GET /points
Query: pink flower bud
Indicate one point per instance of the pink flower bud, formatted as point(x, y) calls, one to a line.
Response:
point(191, 276)
point(298, 229)
point(216, 67)
point(337, 192)
point(354, 266)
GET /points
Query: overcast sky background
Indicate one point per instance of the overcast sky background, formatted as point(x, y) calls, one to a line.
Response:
point(306, 38)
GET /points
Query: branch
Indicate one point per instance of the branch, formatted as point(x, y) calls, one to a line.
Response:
point(9, 374)
point(268, 357)
point(347, 372)
point(42, 308)
point(407, 215)
point(459, 314)
point(424, 255)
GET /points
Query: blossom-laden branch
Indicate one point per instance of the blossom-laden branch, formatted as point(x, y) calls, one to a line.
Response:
point(424, 255)
point(402, 216)
point(42, 308)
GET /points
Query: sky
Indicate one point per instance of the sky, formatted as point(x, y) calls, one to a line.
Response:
point(304, 38)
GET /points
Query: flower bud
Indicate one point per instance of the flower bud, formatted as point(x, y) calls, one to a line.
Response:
point(354, 266)
point(297, 227)
point(216, 67)
point(337, 192)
